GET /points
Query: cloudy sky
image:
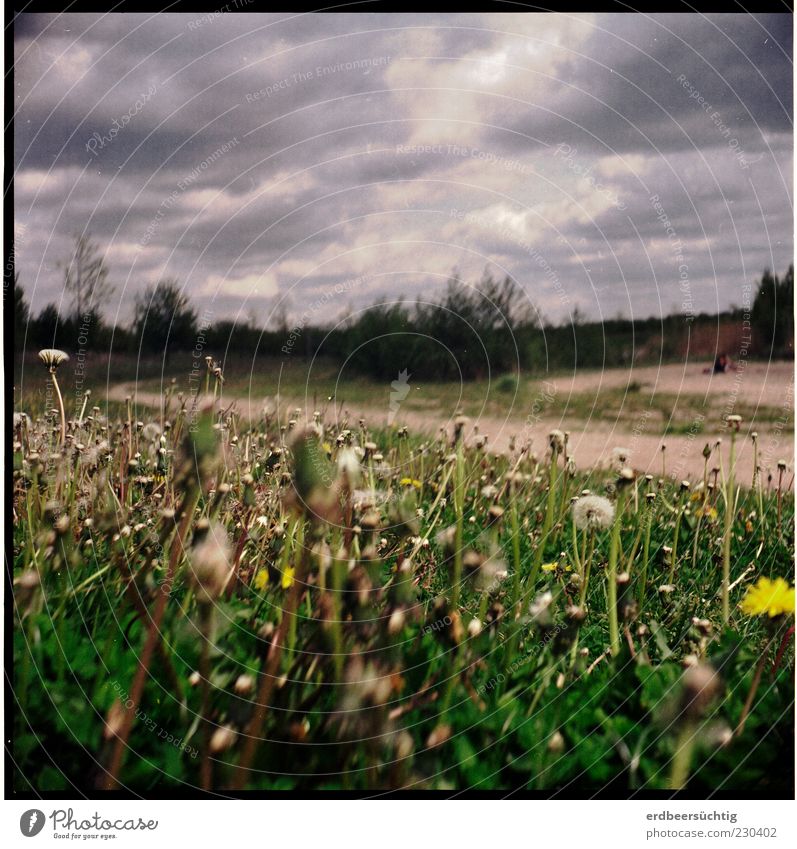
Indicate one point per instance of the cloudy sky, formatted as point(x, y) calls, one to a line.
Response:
point(316, 163)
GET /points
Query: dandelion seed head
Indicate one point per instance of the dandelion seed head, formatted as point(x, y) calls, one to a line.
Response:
point(593, 511)
point(620, 455)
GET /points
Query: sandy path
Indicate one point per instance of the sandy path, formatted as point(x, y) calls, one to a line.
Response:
point(757, 383)
point(592, 442)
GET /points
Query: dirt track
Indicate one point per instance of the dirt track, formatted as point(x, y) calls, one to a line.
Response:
point(592, 442)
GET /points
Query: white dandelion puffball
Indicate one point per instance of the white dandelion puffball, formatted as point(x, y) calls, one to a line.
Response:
point(593, 511)
point(620, 455)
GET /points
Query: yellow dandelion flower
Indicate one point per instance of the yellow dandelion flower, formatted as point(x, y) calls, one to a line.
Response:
point(287, 577)
point(410, 482)
point(261, 579)
point(548, 567)
point(709, 512)
point(770, 597)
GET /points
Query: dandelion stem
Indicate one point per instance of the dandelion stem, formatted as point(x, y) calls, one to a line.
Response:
point(459, 504)
point(514, 524)
point(676, 534)
point(60, 407)
point(587, 560)
point(268, 679)
point(111, 779)
point(548, 521)
point(748, 704)
point(576, 558)
point(726, 538)
point(206, 622)
point(614, 548)
point(682, 761)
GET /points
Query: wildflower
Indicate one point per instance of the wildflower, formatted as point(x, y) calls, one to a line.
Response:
point(261, 579)
point(708, 511)
point(52, 358)
point(771, 597)
point(210, 557)
point(593, 511)
point(539, 608)
point(625, 477)
point(620, 456)
point(349, 466)
point(151, 432)
point(222, 739)
point(396, 622)
point(556, 743)
point(701, 684)
point(495, 513)
point(557, 440)
point(446, 539)
point(548, 567)
point(410, 482)
point(287, 578)
point(244, 684)
point(438, 736)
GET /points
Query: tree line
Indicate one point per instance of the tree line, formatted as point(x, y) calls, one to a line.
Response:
point(470, 332)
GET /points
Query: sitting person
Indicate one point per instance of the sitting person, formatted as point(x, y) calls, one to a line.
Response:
point(722, 364)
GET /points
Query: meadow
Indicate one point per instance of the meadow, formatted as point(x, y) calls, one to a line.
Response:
point(299, 600)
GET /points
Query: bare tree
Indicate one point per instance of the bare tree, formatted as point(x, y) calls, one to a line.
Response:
point(86, 277)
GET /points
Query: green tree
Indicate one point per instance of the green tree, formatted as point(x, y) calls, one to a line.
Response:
point(21, 308)
point(45, 327)
point(164, 318)
point(773, 315)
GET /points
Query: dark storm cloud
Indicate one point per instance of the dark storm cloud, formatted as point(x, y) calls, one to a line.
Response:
point(266, 158)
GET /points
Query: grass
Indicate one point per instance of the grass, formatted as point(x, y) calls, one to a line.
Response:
point(213, 603)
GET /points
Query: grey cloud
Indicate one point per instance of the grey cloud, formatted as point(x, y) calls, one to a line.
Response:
point(322, 109)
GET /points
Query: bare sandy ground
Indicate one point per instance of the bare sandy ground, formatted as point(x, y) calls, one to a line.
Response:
point(592, 442)
point(761, 384)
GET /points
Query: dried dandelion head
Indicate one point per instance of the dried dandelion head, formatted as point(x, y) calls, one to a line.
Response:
point(52, 358)
point(556, 439)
